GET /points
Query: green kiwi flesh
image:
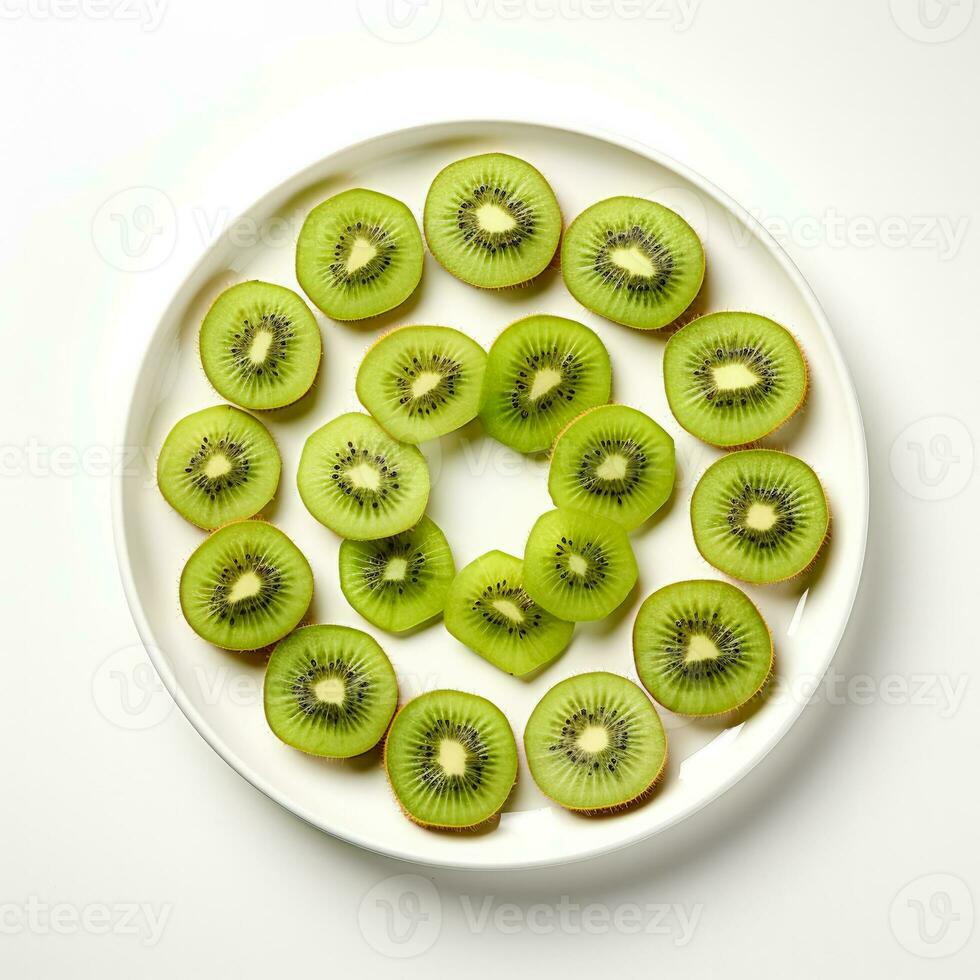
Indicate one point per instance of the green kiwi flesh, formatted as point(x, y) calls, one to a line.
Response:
point(422, 382)
point(330, 691)
point(542, 371)
point(260, 345)
point(759, 515)
point(615, 462)
point(359, 482)
point(246, 586)
point(595, 742)
point(398, 582)
point(633, 261)
point(489, 610)
point(701, 647)
point(578, 566)
point(732, 378)
point(492, 220)
point(359, 254)
point(451, 759)
point(218, 465)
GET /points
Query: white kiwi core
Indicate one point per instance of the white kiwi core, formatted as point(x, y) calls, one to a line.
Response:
point(330, 690)
point(593, 738)
point(734, 377)
point(364, 476)
point(760, 517)
point(700, 648)
point(544, 381)
point(259, 347)
point(396, 570)
point(577, 565)
point(494, 219)
point(633, 260)
point(361, 252)
point(452, 757)
point(509, 609)
point(425, 382)
point(247, 586)
point(612, 468)
point(218, 465)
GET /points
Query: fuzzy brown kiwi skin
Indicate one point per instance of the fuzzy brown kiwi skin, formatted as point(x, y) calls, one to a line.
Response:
point(552, 262)
point(741, 704)
point(492, 820)
point(786, 578)
point(265, 651)
point(754, 443)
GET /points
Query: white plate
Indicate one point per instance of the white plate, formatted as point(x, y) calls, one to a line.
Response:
point(485, 497)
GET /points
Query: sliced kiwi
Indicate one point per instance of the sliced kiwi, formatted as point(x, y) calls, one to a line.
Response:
point(361, 483)
point(489, 611)
point(633, 261)
point(595, 742)
point(422, 382)
point(732, 378)
point(492, 220)
point(260, 345)
point(451, 759)
point(759, 515)
point(701, 647)
point(359, 254)
point(615, 462)
point(578, 566)
point(246, 586)
point(330, 691)
point(542, 371)
point(398, 582)
point(218, 465)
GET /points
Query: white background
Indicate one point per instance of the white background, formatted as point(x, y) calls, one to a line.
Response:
point(129, 848)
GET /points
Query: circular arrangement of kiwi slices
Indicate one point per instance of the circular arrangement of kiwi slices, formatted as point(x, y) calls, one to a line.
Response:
point(218, 465)
point(633, 261)
point(759, 515)
point(260, 345)
point(542, 371)
point(422, 382)
point(492, 220)
point(701, 647)
point(451, 759)
point(615, 462)
point(578, 566)
point(732, 378)
point(489, 610)
point(330, 691)
point(246, 586)
point(400, 581)
point(359, 482)
point(359, 254)
point(595, 743)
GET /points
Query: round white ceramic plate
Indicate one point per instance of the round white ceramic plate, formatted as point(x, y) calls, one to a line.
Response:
point(485, 496)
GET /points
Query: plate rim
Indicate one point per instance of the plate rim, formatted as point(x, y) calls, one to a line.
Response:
point(199, 722)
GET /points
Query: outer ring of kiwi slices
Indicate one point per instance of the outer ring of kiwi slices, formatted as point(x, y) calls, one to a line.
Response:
point(630, 799)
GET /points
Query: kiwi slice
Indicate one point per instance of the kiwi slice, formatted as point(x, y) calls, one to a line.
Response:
point(422, 382)
point(451, 759)
point(492, 220)
point(330, 691)
point(359, 254)
point(759, 515)
point(542, 371)
point(401, 581)
point(260, 345)
point(594, 742)
point(578, 566)
point(633, 261)
point(246, 586)
point(732, 378)
point(701, 647)
point(615, 462)
point(489, 611)
point(361, 483)
point(218, 465)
